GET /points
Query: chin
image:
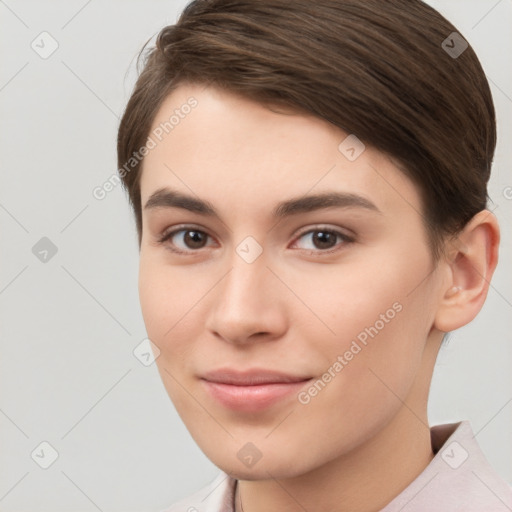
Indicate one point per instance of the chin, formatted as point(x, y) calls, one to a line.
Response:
point(269, 461)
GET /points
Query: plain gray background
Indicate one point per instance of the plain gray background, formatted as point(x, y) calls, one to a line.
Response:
point(68, 328)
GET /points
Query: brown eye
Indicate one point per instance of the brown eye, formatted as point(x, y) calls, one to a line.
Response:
point(184, 240)
point(324, 239)
point(194, 239)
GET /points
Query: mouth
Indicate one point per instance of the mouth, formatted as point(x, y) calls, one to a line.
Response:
point(252, 390)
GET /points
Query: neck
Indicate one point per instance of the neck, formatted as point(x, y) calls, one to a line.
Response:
point(365, 480)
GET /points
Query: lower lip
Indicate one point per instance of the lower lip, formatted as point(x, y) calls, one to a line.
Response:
point(252, 398)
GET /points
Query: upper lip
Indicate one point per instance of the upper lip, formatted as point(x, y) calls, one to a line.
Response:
point(251, 377)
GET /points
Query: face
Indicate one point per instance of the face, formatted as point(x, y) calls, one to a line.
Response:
point(286, 280)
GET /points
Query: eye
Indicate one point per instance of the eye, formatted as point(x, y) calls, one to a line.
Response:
point(184, 240)
point(324, 240)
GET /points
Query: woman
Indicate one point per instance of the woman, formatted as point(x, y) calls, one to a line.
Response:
point(309, 186)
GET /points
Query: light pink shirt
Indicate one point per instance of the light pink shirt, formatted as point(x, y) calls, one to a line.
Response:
point(458, 479)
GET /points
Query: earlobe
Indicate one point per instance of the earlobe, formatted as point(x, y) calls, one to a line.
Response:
point(472, 259)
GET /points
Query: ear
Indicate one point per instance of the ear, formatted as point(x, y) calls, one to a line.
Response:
point(471, 258)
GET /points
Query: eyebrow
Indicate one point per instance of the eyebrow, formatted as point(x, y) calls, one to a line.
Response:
point(167, 198)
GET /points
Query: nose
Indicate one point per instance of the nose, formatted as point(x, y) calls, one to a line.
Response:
point(246, 305)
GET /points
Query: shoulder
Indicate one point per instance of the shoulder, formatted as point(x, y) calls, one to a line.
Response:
point(217, 496)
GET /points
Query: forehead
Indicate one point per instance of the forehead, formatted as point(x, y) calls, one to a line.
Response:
point(241, 155)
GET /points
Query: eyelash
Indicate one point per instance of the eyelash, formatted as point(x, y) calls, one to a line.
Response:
point(346, 239)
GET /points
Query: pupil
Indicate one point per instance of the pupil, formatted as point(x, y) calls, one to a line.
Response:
point(194, 239)
point(323, 237)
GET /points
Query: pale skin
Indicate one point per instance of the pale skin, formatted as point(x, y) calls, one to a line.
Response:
point(364, 437)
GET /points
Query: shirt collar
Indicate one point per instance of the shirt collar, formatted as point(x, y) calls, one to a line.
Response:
point(458, 478)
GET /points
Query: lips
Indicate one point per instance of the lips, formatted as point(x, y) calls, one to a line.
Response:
point(251, 377)
point(251, 390)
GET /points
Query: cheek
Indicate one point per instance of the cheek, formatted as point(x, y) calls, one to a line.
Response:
point(370, 292)
point(167, 298)
point(378, 312)
point(167, 301)
point(372, 363)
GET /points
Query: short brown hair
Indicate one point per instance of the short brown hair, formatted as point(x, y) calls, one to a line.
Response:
point(379, 69)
